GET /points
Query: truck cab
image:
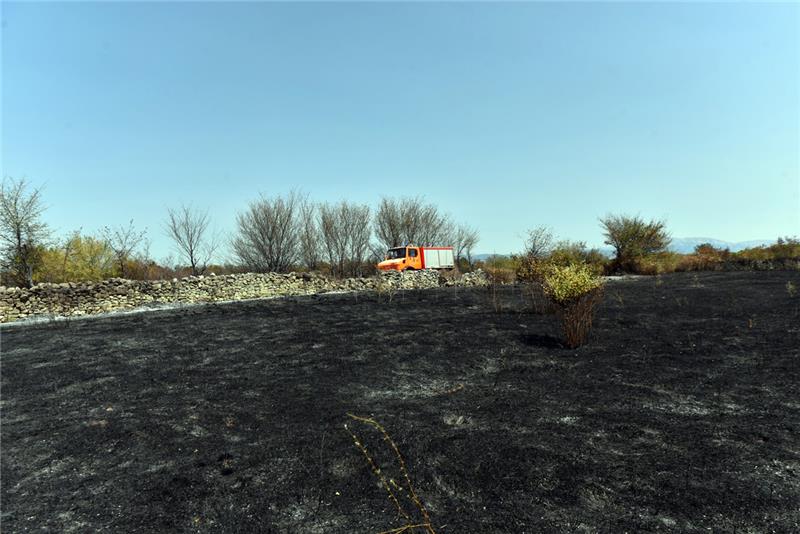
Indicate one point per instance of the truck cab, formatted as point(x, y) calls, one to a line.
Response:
point(411, 257)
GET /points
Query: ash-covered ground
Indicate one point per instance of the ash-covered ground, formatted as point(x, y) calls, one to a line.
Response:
point(682, 413)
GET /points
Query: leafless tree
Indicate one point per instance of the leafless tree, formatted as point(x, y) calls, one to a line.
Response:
point(22, 231)
point(188, 228)
point(345, 232)
point(539, 242)
point(268, 237)
point(359, 237)
point(411, 220)
point(310, 247)
point(464, 240)
point(389, 223)
point(123, 241)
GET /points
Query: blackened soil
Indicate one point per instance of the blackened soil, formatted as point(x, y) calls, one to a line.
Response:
point(681, 414)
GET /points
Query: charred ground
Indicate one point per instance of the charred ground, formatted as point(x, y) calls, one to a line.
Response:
point(682, 413)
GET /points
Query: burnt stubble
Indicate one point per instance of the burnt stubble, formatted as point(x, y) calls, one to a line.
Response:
point(681, 413)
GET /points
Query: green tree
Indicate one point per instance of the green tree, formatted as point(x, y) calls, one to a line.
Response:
point(634, 239)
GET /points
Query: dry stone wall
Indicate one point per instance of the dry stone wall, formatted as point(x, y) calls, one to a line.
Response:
point(75, 299)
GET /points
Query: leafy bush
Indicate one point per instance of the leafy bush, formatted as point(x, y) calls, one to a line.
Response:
point(575, 253)
point(575, 290)
point(563, 284)
point(634, 239)
point(79, 259)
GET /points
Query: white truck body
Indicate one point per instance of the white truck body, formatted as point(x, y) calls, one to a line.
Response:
point(438, 258)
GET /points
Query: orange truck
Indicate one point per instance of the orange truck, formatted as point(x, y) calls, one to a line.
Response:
point(410, 258)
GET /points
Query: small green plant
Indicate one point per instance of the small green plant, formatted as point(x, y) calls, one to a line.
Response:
point(575, 291)
point(791, 289)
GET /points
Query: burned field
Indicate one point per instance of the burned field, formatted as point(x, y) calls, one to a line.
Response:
point(682, 413)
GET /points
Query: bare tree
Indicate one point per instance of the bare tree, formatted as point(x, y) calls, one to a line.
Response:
point(539, 242)
point(428, 226)
point(359, 237)
point(389, 223)
point(411, 220)
point(310, 248)
point(22, 231)
point(345, 232)
point(268, 236)
point(464, 240)
point(123, 240)
point(188, 228)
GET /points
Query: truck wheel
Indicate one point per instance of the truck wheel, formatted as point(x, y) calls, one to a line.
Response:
point(410, 269)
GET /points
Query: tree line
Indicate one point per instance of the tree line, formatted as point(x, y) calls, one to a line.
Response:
point(272, 234)
point(292, 232)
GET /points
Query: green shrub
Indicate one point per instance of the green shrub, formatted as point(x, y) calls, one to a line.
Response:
point(80, 258)
point(783, 248)
point(563, 284)
point(576, 253)
point(575, 291)
point(633, 239)
point(659, 263)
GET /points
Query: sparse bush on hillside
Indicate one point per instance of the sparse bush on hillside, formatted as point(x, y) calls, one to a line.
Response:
point(633, 239)
point(575, 291)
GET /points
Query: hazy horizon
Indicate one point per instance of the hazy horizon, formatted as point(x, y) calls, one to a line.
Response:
point(507, 116)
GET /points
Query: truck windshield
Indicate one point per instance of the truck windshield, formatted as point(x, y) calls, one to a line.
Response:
point(395, 253)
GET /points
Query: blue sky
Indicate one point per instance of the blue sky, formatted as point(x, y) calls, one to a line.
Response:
point(505, 115)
